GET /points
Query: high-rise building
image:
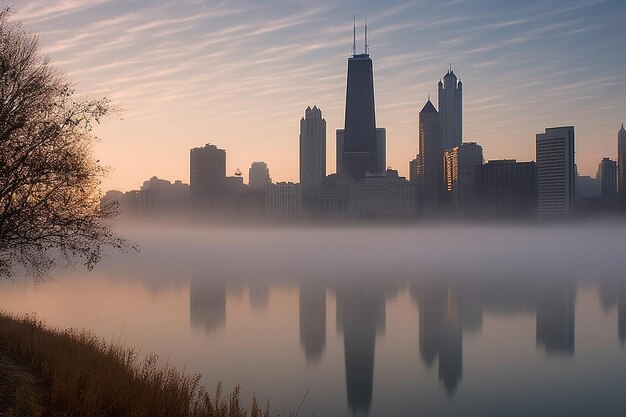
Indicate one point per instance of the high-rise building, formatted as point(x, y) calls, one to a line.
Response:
point(207, 175)
point(381, 144)
point(312, 157)
point(507, 188)
point(607, 175)
point(429, 161)
point(259, 176)
point(451, 110)
point(621, 161)
point(556, 172)
point(360, 146)
point(461, 164)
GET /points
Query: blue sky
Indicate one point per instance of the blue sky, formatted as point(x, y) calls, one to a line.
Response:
point(240, 74)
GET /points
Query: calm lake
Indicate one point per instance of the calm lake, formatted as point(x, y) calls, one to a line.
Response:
point(381, 321)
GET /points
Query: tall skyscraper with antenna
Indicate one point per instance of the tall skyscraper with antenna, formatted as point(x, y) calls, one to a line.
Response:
point(360, 147)
point(451, 110)
point(621, 161)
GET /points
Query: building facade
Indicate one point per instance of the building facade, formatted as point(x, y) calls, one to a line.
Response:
point(450, 103)
point(283, 200)
point(312, 157)
point(556, 171)
point(507, 188)
point(207, 166)
point(461, 164)
point(607, 176)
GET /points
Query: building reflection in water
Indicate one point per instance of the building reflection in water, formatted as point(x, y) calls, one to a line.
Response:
point(207, 304)
point(556, 307)
point(259, 294)
point(360, 315)
point(440, 332)
point(313, 320)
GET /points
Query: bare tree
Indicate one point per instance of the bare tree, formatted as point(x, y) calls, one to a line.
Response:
point(50, 207)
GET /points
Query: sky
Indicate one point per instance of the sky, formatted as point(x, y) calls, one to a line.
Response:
point(240, 73)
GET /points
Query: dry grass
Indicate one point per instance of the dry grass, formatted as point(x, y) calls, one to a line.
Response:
point(91, 378)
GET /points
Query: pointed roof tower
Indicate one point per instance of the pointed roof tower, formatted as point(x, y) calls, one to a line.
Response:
point(428, 108)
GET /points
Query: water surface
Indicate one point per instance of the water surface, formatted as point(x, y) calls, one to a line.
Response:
point(404, 321)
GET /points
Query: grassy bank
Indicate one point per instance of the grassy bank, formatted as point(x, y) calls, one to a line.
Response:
point(85, 376)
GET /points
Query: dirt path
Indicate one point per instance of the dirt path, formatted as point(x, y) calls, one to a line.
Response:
point(22, 392)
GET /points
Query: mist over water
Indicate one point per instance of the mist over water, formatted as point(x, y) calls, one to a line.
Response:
point(388, 320)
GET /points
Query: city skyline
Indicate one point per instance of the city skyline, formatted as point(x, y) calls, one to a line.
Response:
point(524, 67)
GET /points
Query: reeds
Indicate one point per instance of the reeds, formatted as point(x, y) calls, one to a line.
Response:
point(90, 377)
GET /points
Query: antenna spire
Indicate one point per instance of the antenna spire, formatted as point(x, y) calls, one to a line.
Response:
point(450, 67)
point(367, 47)
point(354, 37)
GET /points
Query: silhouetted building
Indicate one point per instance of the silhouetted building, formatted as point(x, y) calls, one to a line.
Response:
point(451, 110)
point(283, 200)
point(259, 176)
point(621, 160)
point(360, 146)
point(207, 166)
point(556, 172)
point(607, 176)
point(312, 157)
point(461, 164)
point(429, 183)
point(381, 141)
point(234, 185)
point(507, 188)
point(312, 320)
point(413, 170)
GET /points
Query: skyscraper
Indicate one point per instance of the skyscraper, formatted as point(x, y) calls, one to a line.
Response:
point(556, 171)
point(429, 161)
point(461, 165)
point(607, 175)
point(381, 146)
point(360, 148)
point(207, 166)
point(621, 161)
point(451, 110)
point(312, 157)
point(259, 176)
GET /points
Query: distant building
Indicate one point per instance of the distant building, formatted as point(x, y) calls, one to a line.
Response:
point(234, 185)
point(259, 176)
point(376, 195)
point(507, 188)
point(621, 161)
point(312, 157)
point(429, 162)
point(381, 143)
point(207, 175)
point(451, 110)
point(336, 195)
point(461, 164)
point(556, 172)
point(587, 187)
point(607, 176)
point(383, 195)
point(413, 170)
point(283, 200)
